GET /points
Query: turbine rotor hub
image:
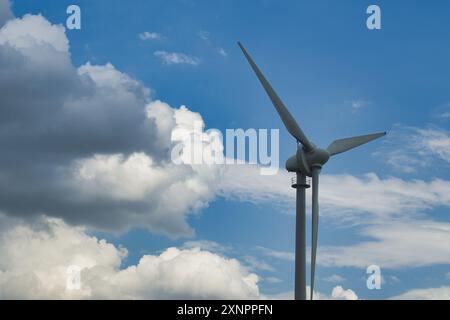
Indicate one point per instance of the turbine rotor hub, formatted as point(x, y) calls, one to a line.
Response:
point(305, 161)
point(317, 157)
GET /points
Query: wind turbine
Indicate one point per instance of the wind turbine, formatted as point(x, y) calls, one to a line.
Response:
point(307, 161)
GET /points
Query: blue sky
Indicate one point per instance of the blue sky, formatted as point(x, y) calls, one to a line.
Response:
point(338, 79)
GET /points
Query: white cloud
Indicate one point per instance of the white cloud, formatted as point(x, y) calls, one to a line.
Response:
point(278, 254)
point(442, 112)
point(384, 198)
point(222, 52)
point(170, 58)
point(150, 36)
point(397, 244)
point(440, 293)
point(354, 199)
point(257, 264)
point(389, 210)
point(204, 35)
point(404, 161)
point(108, 77)
point(207, 245)
point(359, 104)
point(137, 178)
point(244, 183)
point(408, 149)
point(334, 278)
point(436, 142)
point(389, 279)
point(337, 293)
point(87, 144)
point(272, 280)
point(32, 31)
point(34, 260)
point(445, 115)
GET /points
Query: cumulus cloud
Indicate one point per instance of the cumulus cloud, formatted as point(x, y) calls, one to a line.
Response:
point(445, 115)
point(41, 260)
point(442, 112)
point(337, 293)
point(37, 262)
point(32, 32)
point(207, 245)
point(169, 58)
point(88, 144)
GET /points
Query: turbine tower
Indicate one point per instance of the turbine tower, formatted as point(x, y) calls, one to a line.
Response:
point(307, 161)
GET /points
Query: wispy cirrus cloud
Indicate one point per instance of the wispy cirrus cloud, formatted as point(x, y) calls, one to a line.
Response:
point(395, 244)
point(146, 35)
point(357, 196)
point(359, 104)
point(436, 142)
point(278, 254)
point(257, 264)
point(389, 211)
point(334, 278)
point(272, 280)
point(438, 293)
point(204, 35)
point(171, 58)
point(408, 149)
point(222, 52)
point(442, 112)
point(208, 245)
point(445, 115)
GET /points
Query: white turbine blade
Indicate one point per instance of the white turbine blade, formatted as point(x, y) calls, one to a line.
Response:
point(342, 145)
point(315, 224)
point(288, 120)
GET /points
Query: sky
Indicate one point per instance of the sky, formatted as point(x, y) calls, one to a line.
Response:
point(86, 178)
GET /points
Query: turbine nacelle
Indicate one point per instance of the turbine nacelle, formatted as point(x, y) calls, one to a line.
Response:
point(304, 161)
